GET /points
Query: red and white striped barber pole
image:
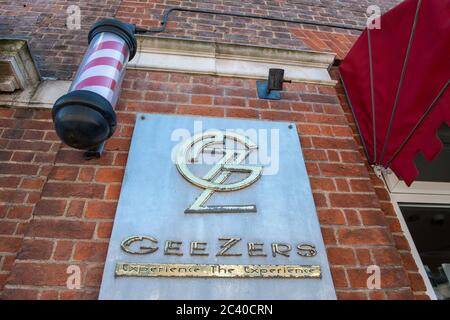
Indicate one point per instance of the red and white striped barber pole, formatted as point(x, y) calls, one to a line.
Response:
point(103, 67)
point(85, 117)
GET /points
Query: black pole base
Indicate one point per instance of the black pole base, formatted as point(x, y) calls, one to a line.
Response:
point(83, 119)
point(95, 152)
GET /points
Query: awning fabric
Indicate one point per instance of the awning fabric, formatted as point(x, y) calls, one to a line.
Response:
point(396, 79)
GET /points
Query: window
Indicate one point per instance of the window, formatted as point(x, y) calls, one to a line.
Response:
point(423, 210)
point(429, 226)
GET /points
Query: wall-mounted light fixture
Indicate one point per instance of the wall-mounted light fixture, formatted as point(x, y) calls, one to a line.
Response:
point(270, 88)
point(85, 118)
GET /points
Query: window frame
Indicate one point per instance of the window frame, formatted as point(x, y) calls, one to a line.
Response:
point(420, 192)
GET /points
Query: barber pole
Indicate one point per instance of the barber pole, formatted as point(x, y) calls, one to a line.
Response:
point(85, 117)
point(103, 67)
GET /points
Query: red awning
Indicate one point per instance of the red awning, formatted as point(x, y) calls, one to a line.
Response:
point(396, 79)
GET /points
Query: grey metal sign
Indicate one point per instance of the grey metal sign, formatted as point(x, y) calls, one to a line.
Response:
point(215, 208)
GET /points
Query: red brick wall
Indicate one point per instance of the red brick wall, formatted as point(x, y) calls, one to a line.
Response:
point(57, 209)
point(28, 147)
point(58, 51)
point(76, 200)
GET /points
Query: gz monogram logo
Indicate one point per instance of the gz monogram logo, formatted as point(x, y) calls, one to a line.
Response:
point(214, 180)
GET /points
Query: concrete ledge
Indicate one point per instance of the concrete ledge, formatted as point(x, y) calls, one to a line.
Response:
point(231, 60)
point(43, 95)
point(17, 67)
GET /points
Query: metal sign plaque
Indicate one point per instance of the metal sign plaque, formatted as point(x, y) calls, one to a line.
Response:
point(215, 208)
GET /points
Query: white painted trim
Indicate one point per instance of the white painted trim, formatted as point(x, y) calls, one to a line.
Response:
point(419, 192)
point(231, 60)
point(397, 186)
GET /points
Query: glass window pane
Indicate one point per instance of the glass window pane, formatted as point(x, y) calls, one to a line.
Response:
point(429, 226)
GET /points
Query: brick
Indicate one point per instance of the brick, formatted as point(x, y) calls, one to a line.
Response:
point(75, 208)
point(5, 155)
point(342, 170)
point(86, 174)
point(328, 236)
point(80, 190)
point(90, 251)
point(241, 113)
point(341, 256)
point(341, 200)
point(33, 135)
point(10, 244)
point(323, 184)
point(401, 243)
point(320, 200)
point(49, 295)
point(104, 230)
point(50, 208)
point(314, 155)
point(32, 183)
point(109, 175)
point(330, 217)
point(39, 274)
point(351, 295)
point(9, 182)
point(258, 103)
point(116, 144)
point(363, 256)
point(333, 143)
point(350, 157)
point(12, 134)
point(408, 261)
point(202, 111)
point(113, 192)
point(19, 169)
point(3, 278)
point(390, 278)
point(20, 212)
point(207, 100)
point(342, 185)
point(19, 294)
point(35, 250)
point(402, 294)
point(236, 102)
point(363, 236)
point(377, 295)
point(416, 281)
point(352, 217)
point(64, 173)
point(360, 185)
point(100, 210)
point(178, 98)
point(63, 250)
point(121, 159)
point(29, 145)
point(94, 276)
point(8, 262)
point(79, 295)
point(339, 277)
point(315, 98)
point(386, 256)
point(10, 196)
point(61, 229)
point(7, 227)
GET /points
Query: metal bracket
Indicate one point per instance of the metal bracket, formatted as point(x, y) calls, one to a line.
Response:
point(95, 152)
point(261, 85)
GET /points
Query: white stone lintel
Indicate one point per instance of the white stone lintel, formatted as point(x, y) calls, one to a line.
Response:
point(231, 60)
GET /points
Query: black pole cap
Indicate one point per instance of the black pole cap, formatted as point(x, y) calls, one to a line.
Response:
point(83, 119)
point(124, 30)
